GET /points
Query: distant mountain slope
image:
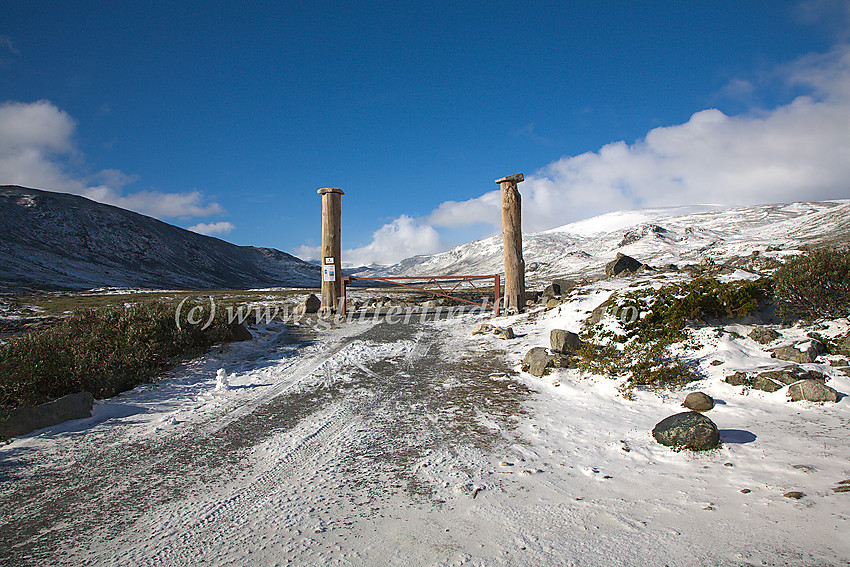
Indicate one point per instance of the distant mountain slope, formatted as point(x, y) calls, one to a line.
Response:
point(653, 236)
point(61, 241)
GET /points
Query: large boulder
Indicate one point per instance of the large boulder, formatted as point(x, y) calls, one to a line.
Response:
point(773, 380)
point(802, 353)
point(311, 304)
point(558, 288)
point(763, 335)
point(621, 264)
point(564, 342)
point(813, 391)
point(26, 420)
point(699, 401)
point(537, 360)
point(687, 430)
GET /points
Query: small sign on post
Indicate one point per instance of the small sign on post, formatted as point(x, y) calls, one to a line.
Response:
point(331, 253)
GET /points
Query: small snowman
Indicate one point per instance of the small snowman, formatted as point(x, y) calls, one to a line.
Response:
point(221, 384)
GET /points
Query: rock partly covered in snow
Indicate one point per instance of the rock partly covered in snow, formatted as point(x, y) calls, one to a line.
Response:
point(763, 335)
point(802, 353)
point(564, 342)
point(505, 333)
point(537, 360)
point(26, 420)
point(698, 401)
point(311, 304)
point(813, 391)
point(622, 264)
point(687, 430)
point(773, 380)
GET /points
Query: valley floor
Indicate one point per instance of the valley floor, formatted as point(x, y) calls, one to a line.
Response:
point(418, 444)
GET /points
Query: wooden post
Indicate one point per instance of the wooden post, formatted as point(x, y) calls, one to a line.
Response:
point(331, 248)
point(512, 241)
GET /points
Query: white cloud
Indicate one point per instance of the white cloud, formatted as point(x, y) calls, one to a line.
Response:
point(395, 241)
point(796, 152)
point(37, 150)
point(211, 229)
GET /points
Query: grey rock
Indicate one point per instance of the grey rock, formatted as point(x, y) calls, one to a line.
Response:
point(483, 329)
point(621, 264)
point(763, 335)
point(773, 380)
point(687, 430)
point(813, 391)
point(699, 401)
point(537, 360)
point(553, 303)
point(767, 384)
point(599, 312)
point(311, 304)
point(802, 353)
point(739, 379)
point(504, 333)
point(241, 333)
point(564, 342)
point(558, 288)
point(28, 419)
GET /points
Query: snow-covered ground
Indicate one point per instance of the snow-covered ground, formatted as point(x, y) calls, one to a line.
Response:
point(420, 444)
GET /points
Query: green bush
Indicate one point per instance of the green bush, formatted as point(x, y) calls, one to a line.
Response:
point(103, 351)
point(814, 285)
point(664, 313)
point(646, 365)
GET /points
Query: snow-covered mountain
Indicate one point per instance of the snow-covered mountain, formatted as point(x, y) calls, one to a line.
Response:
point(679, 235)
point(61, 241)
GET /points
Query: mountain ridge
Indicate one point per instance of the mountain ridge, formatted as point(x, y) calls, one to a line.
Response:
point(655, 239)
point(59, 241)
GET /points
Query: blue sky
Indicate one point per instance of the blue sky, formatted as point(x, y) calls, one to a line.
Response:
point(227, 117)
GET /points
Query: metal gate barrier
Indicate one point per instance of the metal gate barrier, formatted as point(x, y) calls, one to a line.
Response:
point(439, 281)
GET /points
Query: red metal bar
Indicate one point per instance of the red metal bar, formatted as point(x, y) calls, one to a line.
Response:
point(431, 280)
point(498, 292)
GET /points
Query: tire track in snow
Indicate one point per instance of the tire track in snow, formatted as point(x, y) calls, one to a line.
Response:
point(108, 490)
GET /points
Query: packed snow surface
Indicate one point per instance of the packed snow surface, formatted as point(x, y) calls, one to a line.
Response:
point(416, 443)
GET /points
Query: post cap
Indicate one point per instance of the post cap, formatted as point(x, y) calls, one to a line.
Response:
point(325, 190)
point(515, 178)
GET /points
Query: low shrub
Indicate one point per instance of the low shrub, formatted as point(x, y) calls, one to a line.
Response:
point(664, 313)
point(645, 365)
point(103, 351)
point(814, 285)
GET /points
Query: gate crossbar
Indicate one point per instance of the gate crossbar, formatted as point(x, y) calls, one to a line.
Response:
point(398, 280)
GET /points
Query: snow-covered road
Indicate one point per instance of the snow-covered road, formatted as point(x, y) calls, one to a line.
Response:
point(316, 444)
point(417, 444)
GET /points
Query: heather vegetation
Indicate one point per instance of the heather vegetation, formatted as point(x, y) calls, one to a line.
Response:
point(815, 285)
point(103, 351)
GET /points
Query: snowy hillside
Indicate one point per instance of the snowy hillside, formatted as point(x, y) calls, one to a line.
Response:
point(60, 241)
point(678, 235)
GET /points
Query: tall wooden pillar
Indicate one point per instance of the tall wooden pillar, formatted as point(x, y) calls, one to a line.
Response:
point(512, 240)
point(331, 248)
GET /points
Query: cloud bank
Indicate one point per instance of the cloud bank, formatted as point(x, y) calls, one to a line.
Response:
point(402, 238)
point(212, 229)
point(37, 150)
point(796, 152)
